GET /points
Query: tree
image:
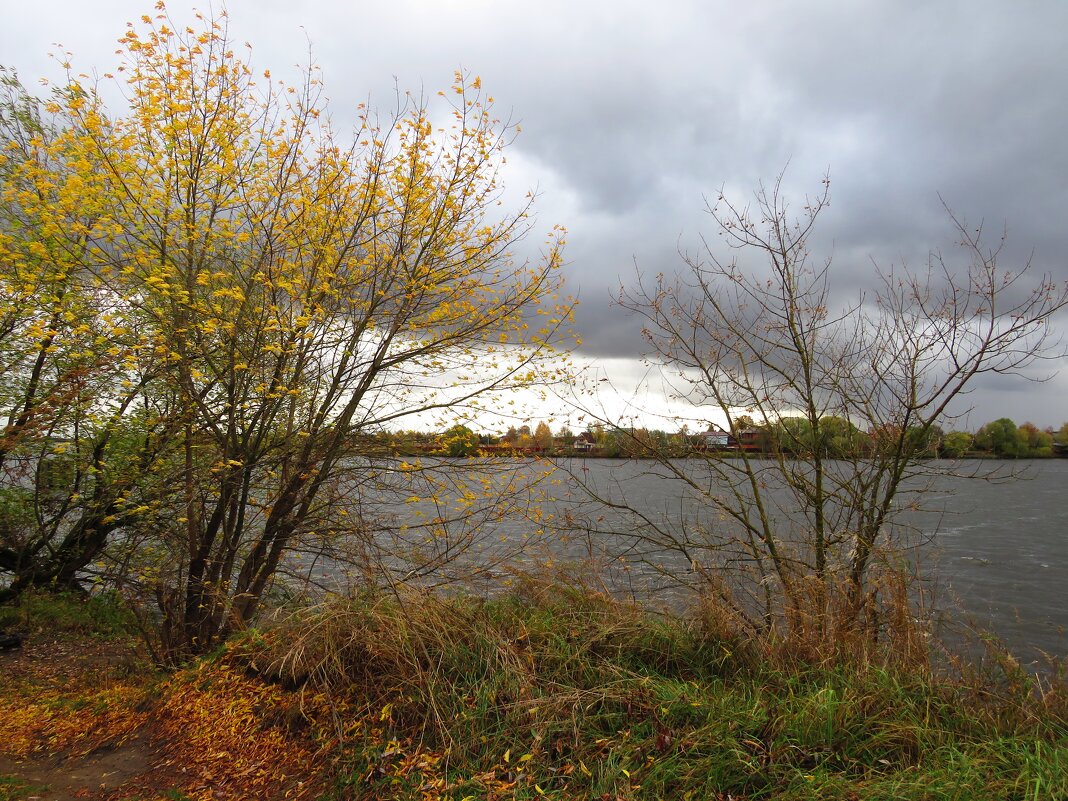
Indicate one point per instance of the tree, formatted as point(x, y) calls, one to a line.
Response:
point(1061, 435)
point(800, 530)
point(543, 437)
point(460, 441)
point(833, 437)
point(1039, 443)
point(1002, 438)
point(956, 444)
point(926, 440)
point(77, 427)
point(295, 290)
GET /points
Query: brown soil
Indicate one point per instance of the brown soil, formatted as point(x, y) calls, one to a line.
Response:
point(95, 775)
point(51, 663)
point(84, 718)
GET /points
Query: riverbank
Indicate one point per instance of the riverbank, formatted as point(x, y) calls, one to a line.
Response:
point(550, 692)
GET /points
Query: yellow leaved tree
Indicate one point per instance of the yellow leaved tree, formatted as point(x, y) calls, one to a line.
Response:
point(289, 291)
point(75, 433)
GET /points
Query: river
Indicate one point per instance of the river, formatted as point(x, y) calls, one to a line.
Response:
point(992, 555)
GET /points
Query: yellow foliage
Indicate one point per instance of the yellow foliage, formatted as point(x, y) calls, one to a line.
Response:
point(268, 287)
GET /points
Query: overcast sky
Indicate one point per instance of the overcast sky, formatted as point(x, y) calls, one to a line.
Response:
point(634, 112)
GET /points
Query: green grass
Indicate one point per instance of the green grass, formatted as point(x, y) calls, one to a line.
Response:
point(101, 615)
point(15, 789)
point(589, 698)
point(554, 692)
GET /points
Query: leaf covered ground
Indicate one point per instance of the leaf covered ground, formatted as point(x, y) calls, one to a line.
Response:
point(86, 716)
point(538, 695)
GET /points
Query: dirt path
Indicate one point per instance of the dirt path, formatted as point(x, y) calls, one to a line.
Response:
point(95, 775)
point(85, 718)
point(47, 671)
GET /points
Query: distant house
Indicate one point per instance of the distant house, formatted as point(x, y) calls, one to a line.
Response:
point(715, 439)
point(752, 439)
point(584, 442)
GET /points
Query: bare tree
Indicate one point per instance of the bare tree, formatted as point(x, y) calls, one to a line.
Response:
point(847, 396)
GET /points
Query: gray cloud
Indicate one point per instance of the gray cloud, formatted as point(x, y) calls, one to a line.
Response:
point(632, 114)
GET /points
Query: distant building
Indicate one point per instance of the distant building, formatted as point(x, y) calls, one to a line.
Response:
point(752, 439)
point(584, 442)
point(716, 439)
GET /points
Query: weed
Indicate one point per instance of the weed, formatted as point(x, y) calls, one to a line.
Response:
point(555, 691)
point(102, 615)
point(15, 789)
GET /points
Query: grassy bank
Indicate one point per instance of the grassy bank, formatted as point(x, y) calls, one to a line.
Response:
point(556, 692)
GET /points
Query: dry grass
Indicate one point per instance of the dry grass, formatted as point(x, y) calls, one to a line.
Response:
point(558, 690)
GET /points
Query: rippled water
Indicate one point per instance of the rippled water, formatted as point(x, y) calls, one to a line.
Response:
point(994, 554)
point(1001, 553)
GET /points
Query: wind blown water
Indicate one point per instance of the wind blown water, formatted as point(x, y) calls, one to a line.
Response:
point(991, 555)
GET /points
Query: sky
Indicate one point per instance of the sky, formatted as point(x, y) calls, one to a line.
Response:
point(634, 114)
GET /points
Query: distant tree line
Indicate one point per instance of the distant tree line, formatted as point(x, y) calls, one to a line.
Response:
point(837, 438)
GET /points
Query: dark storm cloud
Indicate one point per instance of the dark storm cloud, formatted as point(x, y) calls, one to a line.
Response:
point(632, 114)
